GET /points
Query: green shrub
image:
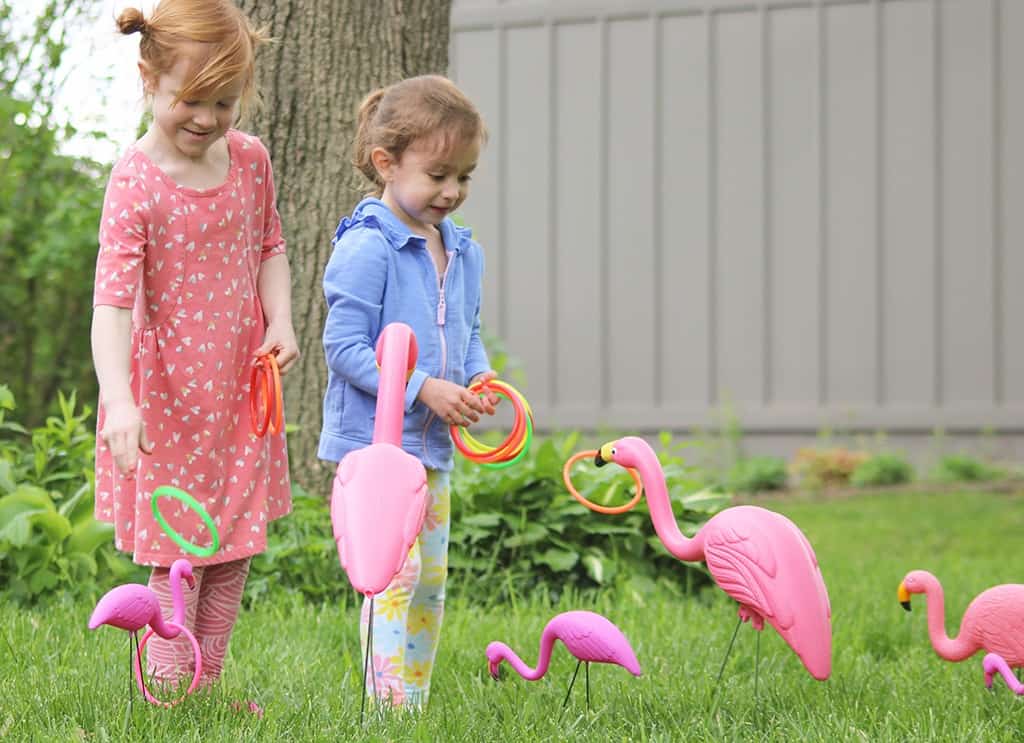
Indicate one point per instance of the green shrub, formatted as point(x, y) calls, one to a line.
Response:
point(754, 474)
point(301, 557)
point(49, 541)
point(518, 531)
point(881, 470)
point(964, 468)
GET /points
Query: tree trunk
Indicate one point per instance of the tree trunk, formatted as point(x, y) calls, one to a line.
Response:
point(327, 55)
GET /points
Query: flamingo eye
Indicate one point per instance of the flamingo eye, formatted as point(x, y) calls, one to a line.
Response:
point(613, 451)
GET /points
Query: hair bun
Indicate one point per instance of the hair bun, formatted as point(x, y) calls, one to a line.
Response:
point(132, 20)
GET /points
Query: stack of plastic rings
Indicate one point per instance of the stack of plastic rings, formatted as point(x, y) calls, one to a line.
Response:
point(567, 479)
point(266, 406)
point(515, 445)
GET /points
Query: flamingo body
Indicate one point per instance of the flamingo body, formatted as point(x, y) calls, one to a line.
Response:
point(377, 510)
point(993, 663)
point(993, 621)
point(590, 638)
point(132, 606)
point(758, 557)
point(379, 498)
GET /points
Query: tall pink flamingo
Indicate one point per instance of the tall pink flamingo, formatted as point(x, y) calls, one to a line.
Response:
point(994, 663)
point(590, 637)
point(132, 606)
point(993, 621)
point(758, 557)
point(379, 500)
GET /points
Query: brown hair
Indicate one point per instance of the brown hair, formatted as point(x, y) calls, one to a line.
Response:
point(395, 116)
point(230, 42)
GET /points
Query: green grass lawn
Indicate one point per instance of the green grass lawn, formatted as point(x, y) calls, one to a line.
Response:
point(58, 681)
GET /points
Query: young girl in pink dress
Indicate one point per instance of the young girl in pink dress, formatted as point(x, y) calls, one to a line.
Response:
point(192, 285)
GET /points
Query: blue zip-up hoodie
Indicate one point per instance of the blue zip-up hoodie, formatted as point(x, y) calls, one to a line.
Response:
point(379, 273)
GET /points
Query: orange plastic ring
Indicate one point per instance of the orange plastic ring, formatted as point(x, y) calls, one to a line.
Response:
point(567, 479)
point(265, 392)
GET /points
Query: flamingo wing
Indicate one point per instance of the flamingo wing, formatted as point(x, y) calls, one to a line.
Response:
point(742, 568)
point(997, 616)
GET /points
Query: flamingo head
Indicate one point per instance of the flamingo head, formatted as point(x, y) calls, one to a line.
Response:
point(626, 452)
point(916, 581)
point(183, 569)
point(495, 655)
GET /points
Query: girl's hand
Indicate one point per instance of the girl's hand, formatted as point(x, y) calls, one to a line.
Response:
point(453, 403)
point(490, 398)
point(125, 435)
point(280, 341)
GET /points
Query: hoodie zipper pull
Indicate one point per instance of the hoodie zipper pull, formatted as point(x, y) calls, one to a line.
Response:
point(441, 308)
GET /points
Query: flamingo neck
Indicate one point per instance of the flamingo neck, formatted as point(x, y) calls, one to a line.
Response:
point(177, 596)
point(664, 520)
point(950, 648)
point(390, 413)
point(547, 641)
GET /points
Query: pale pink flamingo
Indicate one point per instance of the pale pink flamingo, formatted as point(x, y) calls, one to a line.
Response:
point(132, 606)
point(379, 499)
point(759, 557)
point(993, 621)
point(993, 663)
point(590, 637)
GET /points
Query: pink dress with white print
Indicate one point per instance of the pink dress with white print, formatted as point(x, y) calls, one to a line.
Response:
point(186, 262)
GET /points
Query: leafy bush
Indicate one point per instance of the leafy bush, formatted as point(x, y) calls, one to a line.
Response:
point(518, 530)
point(49, 540)
point(301, 557)
point(881, 470)
point(964, 468)
point(818, 468)
point(754, 474)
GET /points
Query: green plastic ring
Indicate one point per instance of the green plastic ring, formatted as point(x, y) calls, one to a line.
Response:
point(196, 506)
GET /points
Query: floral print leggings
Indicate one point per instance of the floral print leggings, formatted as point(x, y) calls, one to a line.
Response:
point(407, 614)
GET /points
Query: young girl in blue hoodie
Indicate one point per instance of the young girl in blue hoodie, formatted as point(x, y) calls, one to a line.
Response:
point(399, 257)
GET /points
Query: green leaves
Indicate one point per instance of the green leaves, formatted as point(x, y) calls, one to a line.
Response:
point(523, 521)
point(48, 536)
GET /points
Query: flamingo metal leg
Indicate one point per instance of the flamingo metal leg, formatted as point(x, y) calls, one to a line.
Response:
point(366, 665)
point(727, 652)
point(564, 703)
point(587, 672)
point(757, 664)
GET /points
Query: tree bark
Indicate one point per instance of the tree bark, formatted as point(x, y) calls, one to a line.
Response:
point(327, 55)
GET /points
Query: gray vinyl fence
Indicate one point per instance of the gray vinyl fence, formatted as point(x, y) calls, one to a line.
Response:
point(810, 211)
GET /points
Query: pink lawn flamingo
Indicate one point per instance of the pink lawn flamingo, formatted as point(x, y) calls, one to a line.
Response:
point(132, 606)
point(993, 663)
point(759, 557)
point(379, 500)
point(994, 620)
point(590, 637)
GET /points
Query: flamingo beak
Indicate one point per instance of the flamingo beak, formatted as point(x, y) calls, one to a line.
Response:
point(191, 582)
point(495, 669)
point(903, 595)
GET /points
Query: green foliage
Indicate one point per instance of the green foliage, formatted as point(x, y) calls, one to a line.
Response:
point(756, 474)
point(881, 470)
point(519, 527)
point(513, 527)
point(49, 215)
point(301, 557)
point(49, 541)
point(964, 468)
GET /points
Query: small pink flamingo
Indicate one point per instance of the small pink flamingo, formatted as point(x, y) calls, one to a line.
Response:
point(994, 620)
point(379, 499)
point(132, 606)
point(992, 663)
point(759, 557)
point(590, 637)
